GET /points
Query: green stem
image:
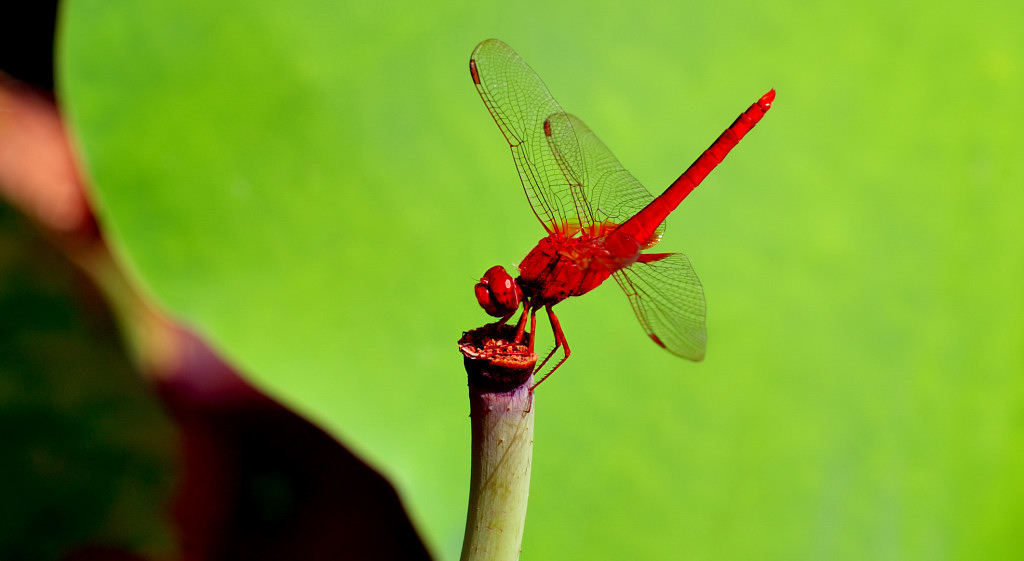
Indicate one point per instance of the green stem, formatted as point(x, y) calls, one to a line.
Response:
point(501, 413)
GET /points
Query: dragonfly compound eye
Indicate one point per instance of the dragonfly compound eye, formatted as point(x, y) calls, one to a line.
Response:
point(497, 292)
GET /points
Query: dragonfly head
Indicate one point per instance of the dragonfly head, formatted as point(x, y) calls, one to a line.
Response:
point(498, 293)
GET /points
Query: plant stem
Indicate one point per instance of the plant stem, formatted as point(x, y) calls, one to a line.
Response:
point(501, 413)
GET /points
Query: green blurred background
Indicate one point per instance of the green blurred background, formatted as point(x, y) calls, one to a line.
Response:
point(315, 186)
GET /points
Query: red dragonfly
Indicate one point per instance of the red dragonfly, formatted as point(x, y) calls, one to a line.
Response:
point(598, 217)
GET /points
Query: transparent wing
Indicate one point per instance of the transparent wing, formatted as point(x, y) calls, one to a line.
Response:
point(604, 192)
point(668, 300)
point(520, 104)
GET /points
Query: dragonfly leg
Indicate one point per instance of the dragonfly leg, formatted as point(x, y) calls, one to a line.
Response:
point(522, 325)
point(508, 316)
point(533, 329)
point(549, 355)
point(560, 341)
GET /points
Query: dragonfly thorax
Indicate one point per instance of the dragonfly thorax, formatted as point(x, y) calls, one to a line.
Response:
point(560, 267)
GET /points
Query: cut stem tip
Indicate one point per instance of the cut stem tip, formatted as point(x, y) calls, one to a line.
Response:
point(494, 362)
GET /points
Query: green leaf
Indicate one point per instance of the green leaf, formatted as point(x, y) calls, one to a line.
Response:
point(315, 186)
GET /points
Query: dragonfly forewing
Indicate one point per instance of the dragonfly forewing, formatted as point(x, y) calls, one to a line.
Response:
point(520, 104)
